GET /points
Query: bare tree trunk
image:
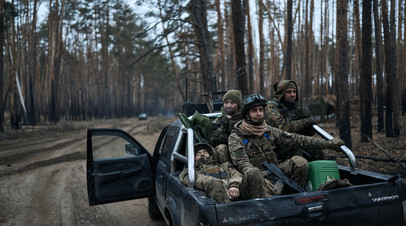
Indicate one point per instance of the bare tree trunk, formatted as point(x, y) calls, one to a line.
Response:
point(342, 92)
point(365, 88)
point(288, 54)
point(55, 55)
point(199, 14)
point(322, 56)
point(357, 28)
point(261, 74)
point(306, 91)
point(171, 55)
point(238, 18)
point(230, 66)
point(378, 69)
point(251, 54)
point(389, 67)
point(396, 122)
point(221, 56)
point(2, 21)
point(32, 117)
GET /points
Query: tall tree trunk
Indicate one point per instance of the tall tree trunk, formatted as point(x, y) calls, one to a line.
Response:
point(396, 122)
point(31, 117)
point(238, 18)
point(388, 68)
point(306, 91)
point(171, 55)
point(220, 56)
point(251, 54)
point(288, 54)
point(55, 55)
point(261, 73)
point(199, 14)
point(357, 28)
point(2, 21)
point(378, 63)
point(12, 70)
point(365, 88)
point(342, 92)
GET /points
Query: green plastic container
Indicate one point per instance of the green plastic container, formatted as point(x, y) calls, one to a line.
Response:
point(319, 172)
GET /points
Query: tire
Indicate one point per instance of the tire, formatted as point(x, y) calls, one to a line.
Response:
point(153, 209)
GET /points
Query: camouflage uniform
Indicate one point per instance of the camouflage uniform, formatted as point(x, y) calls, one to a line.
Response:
point(248, 151)
point(221, 127)
point(291, 118)
point(214, 179)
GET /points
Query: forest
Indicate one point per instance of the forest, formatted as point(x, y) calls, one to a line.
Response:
point(85, 59)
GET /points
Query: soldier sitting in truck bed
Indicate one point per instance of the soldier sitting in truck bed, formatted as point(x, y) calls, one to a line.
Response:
point(222, 182)
point(220, 128)
point(285, 113)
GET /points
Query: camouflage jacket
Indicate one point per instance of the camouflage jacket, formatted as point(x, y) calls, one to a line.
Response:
point(221, 127)
point(283, 116)
point(228, 175)
point(248, 151)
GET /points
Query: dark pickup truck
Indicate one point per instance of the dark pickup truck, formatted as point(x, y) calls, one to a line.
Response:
point(119, 168)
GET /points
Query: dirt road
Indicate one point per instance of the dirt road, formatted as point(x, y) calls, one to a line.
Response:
point(43, 181)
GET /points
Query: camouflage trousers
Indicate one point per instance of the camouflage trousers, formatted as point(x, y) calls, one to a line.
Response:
point(309, 155)
point(253, 185)
point(296, 168)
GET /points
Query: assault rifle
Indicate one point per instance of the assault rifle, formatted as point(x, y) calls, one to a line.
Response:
point(279, 179)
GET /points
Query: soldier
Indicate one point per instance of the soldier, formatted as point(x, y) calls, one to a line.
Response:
point(222, 182)
point(285, 113)
point(221, 127)
point(253, 141)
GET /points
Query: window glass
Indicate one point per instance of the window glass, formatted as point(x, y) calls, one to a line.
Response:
point(107, 147)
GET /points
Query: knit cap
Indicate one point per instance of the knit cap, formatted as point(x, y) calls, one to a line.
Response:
point(291, 85)
point(234, 95)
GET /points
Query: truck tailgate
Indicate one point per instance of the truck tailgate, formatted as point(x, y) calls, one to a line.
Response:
point(373, 204)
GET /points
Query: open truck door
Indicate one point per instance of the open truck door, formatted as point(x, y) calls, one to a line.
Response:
point(118, 167)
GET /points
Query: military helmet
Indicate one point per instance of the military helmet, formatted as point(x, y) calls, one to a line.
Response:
point(252, 100)
point(207, 147)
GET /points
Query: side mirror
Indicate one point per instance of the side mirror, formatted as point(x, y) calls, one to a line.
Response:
point(131, 149)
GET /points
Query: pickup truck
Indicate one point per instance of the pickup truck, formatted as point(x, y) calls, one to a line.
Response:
point(119, 168)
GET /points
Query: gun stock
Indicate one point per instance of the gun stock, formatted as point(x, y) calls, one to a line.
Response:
point(280, 179)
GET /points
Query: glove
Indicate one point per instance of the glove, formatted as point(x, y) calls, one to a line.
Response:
point(303, 112)
point(310, 121)
point(336, 143)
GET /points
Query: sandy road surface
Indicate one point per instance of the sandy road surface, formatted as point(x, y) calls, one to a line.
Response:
point(43, 181)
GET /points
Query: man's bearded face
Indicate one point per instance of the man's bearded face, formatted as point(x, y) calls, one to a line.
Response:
point(230, 106)
point(290, 95)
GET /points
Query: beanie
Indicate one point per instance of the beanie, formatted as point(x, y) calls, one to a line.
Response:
point(291, 85)
point(234, 95)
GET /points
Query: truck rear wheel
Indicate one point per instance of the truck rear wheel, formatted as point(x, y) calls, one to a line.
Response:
point(153, 209)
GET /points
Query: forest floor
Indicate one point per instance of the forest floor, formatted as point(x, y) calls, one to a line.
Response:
point(43, 170)
point(380, 154)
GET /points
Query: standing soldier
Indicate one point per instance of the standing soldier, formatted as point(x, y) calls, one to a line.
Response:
point(221, 127)
point(222, 182)
point(252, 142)
point(285, 113)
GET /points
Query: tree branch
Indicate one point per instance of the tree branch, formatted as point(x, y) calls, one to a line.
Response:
point(386, 151)
point(155, 48)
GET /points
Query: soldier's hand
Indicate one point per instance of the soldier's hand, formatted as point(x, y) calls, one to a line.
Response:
point(233, 193)
point(310, 121)
point(337, 143)
point(303, 112)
